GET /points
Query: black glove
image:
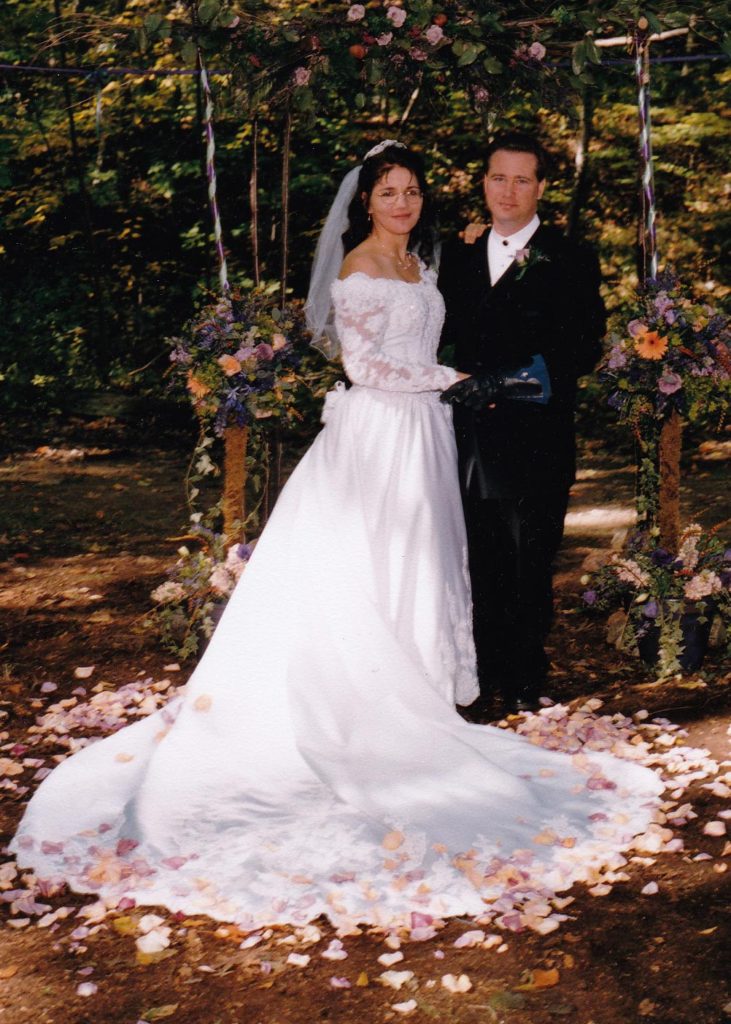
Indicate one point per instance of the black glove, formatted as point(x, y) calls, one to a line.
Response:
point(476, 392)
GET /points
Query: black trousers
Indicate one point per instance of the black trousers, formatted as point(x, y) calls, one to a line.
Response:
point(512, 544)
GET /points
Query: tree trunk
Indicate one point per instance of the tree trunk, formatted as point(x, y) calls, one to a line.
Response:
point(234, 481)
point(669, 498)
point(581, 178)
point(254, 199)
point(286, 157)
point(101, 353)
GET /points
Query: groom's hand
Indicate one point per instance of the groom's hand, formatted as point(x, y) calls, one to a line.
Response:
point(476, 392)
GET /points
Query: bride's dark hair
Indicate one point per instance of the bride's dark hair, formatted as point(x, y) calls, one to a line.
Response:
point(421, 239)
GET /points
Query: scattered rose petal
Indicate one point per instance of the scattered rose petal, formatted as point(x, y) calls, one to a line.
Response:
point(84, 671)
point(298, 959)
point(395, 979)
point(455, 984)
point(335, 951)
point(469, 939)
point(87, 988)
point(392, 840)
point(404, 1008)
point(650, 889)
point(714, 828)
point(48, 687)
point(340, 983)
point(389, 959)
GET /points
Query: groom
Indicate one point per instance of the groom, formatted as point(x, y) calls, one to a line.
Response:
point(522, 291)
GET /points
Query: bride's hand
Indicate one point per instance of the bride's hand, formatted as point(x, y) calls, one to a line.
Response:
point(472, 232)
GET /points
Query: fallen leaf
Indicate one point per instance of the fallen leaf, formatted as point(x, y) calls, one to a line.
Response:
point(506, 1000)
point(362, 980)
point(124, 925)
point(8, 972)
point(646, 1007)
point(539, 979)
point(160, 1012)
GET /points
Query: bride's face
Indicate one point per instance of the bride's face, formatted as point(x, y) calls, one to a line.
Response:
point(396, 201)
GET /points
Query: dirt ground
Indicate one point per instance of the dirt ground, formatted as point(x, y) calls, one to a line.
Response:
point(83, 540)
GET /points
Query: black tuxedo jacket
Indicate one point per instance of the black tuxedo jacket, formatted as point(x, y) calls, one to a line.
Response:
point(553, 308)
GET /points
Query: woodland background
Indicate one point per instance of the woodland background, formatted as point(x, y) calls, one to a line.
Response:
point(105, 232)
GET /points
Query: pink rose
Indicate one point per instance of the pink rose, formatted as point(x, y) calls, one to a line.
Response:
point(397, 15)
point(356, 12)
point(669, 383)
point(521, 255)
point(301, 76)
point(434, 34)
point(636, 328)
point(537, 51)
point(264, 352)
point(419, 54)
point(385, 39)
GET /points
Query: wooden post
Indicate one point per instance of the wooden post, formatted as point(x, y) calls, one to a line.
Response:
point(234, 481)
point(669, 465)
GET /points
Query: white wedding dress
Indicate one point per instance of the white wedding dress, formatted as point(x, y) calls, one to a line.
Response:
point(316, 763)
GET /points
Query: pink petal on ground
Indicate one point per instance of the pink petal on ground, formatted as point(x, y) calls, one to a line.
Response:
point(84, 671)
point(650, 889)
point(340, 983)
point(87, 988)
point(468, 939)
point(714, 828)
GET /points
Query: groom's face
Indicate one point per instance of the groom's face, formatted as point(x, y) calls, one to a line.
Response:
point(512, 190)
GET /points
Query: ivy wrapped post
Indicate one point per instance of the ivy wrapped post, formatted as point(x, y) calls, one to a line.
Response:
point(236, 440)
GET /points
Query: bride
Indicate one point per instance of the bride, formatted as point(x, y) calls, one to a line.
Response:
point(316, 764)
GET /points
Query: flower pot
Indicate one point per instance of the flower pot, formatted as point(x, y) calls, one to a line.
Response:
point(696, 630)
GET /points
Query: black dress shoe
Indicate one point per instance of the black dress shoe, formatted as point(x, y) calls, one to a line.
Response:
point(525, 704)
point(524, 700)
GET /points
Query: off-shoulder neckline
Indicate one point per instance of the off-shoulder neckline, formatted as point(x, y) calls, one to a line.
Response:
point(391, 280)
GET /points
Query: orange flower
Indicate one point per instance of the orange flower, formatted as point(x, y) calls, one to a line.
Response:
point(196, 387)
point(229, 365)
point(650, 345)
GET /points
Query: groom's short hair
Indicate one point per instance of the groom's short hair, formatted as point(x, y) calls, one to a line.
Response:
point(519, 142)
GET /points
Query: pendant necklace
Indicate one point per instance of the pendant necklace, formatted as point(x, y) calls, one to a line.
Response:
point(406, 263)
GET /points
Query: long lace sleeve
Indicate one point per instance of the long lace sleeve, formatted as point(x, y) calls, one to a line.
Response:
point(362, 306)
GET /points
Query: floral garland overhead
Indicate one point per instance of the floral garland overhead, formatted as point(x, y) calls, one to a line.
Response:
point(392, 47)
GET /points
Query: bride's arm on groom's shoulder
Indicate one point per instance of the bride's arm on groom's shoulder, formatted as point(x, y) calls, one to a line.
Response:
point(362, 308)
point(472, 232)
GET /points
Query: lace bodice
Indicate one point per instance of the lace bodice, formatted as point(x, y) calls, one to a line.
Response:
point(389, 332)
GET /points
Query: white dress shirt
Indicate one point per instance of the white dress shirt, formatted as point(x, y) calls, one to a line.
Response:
point(501, 249)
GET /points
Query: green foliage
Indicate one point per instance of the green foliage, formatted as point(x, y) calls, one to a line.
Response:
point(106, 251)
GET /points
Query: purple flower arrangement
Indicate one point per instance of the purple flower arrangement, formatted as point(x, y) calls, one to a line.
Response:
point(656, 587)
point(189, 603)
point(672, 353)
point(238, 358)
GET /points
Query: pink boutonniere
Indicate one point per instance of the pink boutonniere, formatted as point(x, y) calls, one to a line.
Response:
point(527, 258)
